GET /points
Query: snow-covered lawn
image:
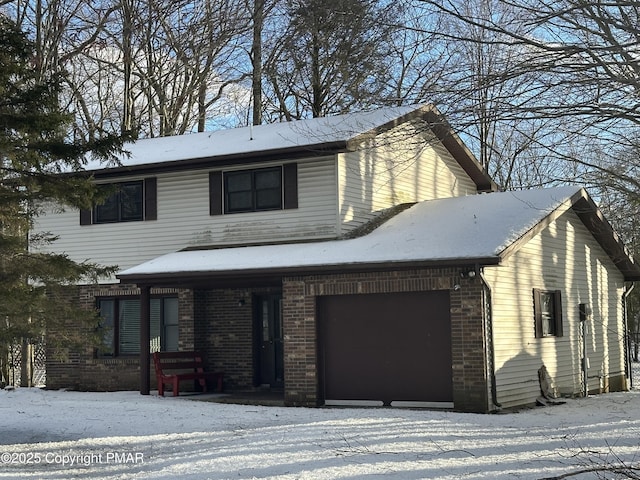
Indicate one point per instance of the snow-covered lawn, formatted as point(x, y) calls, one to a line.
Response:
point(60, 435)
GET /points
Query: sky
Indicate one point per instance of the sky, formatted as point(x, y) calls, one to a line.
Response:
point(124, 435)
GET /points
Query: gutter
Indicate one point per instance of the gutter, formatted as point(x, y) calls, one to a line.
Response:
point(284, 154)
point(490, 341)
point(174, 277)
point(625, 325)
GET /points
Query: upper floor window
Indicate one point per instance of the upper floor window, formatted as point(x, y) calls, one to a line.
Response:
point(253, 190)
point(547, 307)
point(128, 202)
point(125, 204)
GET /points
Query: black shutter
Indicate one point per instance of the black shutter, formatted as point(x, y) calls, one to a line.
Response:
point(85, 217)
point(150, 198)
point(215, 193)
point(290, 175)
point(537, 312)
point(557, 310)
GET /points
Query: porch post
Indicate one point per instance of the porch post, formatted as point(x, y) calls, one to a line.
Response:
point(145, 337)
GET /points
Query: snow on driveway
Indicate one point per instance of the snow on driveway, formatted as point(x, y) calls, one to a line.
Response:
point(124, 435)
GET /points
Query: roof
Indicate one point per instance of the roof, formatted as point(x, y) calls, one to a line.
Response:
point(310, 137)
point(477, 229)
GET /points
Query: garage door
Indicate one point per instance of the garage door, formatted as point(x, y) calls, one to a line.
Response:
point(393, 347)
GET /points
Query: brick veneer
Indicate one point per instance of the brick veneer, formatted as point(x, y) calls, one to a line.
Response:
point(224, 329)
point(470, 392)
point(216, 322)
point(82, 370)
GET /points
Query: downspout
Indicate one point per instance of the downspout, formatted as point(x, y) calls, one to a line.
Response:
point(627, 344)
point(486, 293)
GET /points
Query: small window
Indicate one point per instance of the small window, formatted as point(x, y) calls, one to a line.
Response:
point(547, 306)
point(253, 190)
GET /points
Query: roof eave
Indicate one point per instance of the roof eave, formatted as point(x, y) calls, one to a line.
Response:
point(272, 275)
point(454, 144)
point(589, 213)
point(591, 216)
point(289, 153)
point(442, 129)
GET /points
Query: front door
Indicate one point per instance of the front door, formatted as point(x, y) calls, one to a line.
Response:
point(270, 370)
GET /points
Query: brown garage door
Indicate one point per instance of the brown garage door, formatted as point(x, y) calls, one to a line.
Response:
point(388, 347)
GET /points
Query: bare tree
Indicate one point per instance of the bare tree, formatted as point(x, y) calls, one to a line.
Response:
point(330, 57)
point(185, 58)
point(418, 62)
point(154, 66)
point(580, 65)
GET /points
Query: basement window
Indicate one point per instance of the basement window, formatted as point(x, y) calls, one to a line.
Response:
point(547, 308)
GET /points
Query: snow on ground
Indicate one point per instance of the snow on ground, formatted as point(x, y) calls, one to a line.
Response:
point(124, 435)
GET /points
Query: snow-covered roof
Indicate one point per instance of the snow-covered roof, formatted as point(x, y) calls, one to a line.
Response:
point(263, 138)
point(296, 139)
point(471, 229)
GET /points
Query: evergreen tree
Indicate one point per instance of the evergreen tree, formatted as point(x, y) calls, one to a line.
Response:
point(39, 165)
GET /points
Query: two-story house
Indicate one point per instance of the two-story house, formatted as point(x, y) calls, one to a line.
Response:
point(359, 259)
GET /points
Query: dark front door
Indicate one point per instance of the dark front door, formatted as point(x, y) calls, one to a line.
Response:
point(270, 369)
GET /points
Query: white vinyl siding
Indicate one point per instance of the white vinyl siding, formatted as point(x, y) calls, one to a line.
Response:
point(402, 166)
point(566, 257)
point(184, 220)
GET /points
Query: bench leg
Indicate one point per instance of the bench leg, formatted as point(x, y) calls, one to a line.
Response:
point(176, 387)
point(160, 386)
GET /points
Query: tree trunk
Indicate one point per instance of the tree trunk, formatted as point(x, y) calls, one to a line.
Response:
point(127, 32)
point(26, 364)
point(256, 60)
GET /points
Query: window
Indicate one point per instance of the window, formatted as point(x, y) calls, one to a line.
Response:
point(129, 202)
point(120, 325)
point(547, 307)
point(123, 205)
point(253, 190)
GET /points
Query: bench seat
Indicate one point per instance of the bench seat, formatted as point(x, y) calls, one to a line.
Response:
point(174, 367)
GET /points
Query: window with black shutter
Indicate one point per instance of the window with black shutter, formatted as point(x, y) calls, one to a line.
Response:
point(547, 308)
point(127, 202)
point(253, 190)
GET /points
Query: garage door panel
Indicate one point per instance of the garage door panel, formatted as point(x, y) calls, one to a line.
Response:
point(386, 347)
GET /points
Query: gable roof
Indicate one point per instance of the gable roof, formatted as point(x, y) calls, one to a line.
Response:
point(477, 229)
point(284, 140)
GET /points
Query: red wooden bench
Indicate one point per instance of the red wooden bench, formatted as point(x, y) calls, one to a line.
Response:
point(174, 367)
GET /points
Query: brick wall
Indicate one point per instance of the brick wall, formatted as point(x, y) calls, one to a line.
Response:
point(224, 329)
point(467, 327)
point(216, 322)
point(82, 370)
